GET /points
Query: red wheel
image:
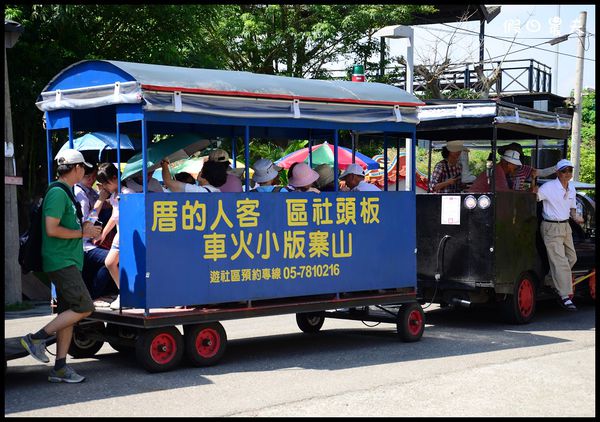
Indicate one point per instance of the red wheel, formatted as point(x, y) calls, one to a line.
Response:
point(519, 308)
point(410, 322)
point(159, 349)
point(205, 343)
point(526, 298)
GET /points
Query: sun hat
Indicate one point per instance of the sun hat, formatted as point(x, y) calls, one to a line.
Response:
point(512, 157)
point(455, 146)
point(71, 156)
point(265, 170)
point(303, 176)
point(563, 163)
point(218, 155)
point(513, 145)
point(353, 169)
point(326, 175)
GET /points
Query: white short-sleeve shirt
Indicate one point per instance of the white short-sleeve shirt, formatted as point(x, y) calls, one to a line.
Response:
point(201, 189)
point(556, 200)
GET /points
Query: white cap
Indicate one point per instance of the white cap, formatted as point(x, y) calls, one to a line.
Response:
point(512, 157)
point(353, 169)
point(265, 170)
point(563, 163)
point(71, 156)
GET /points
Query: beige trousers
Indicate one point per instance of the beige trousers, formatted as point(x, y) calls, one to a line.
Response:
point(561, 254)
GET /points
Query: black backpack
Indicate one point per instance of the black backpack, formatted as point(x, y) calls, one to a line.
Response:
point(30, 242)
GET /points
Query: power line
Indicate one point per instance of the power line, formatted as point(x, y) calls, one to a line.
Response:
point(517, 43)
point(512, 42)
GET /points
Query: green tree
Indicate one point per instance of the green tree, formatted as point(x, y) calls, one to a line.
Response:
point(299, 39)
point(587, 158)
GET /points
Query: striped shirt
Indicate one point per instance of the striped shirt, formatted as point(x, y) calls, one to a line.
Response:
point(444, 171)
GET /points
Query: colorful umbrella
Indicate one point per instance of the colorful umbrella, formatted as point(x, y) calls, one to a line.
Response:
point(102, 143)
point(323, 154)
point(176, 148)
point(376, 177)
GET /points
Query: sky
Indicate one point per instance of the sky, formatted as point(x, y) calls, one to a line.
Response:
point(532, 25)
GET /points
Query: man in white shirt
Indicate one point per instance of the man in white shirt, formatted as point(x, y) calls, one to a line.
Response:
point(354, 176)
point(558, 200)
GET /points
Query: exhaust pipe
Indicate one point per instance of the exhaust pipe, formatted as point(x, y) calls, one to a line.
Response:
point(460, 302)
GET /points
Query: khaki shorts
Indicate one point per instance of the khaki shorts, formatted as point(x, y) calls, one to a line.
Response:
point(71, 291)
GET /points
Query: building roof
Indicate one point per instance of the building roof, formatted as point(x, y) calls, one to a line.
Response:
point(456, 13)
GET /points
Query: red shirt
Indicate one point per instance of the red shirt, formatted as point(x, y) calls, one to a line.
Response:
point(481, 183)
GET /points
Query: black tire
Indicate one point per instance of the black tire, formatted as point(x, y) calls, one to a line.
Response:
point(159, 349)
point(410, 322)
point(519, 307)
point(82, 345)
point(310, 322)
point(127, 334)
point(205, 344)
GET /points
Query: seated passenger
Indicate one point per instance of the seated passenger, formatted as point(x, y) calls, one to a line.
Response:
point(233, 183)
point(95, 274)
point(266, 176)
point(303, 178)
point(447, 174)
point(290, 174)
point(185, 177)
point(525, 172)
point(134, 184)
point(326, 180)
point(354, 177)
point(211, 174)
point(507, 166)
point(108, 176)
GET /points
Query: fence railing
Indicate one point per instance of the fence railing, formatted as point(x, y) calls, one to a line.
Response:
point(516, 76)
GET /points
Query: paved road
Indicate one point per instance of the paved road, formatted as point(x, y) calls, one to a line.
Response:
point(466, 364)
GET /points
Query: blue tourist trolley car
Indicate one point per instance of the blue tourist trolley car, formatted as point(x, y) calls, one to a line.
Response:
point(191, 260)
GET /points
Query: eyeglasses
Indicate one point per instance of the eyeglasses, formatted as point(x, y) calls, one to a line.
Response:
point(567, 170)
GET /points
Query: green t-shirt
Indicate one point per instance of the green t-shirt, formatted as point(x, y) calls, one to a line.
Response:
point(61, 253)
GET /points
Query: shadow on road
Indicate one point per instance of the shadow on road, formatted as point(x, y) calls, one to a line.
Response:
point(448, 333)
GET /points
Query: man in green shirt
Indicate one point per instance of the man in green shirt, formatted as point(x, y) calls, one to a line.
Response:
point(62, 257)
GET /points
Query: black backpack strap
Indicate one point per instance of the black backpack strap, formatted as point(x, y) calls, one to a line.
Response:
point(277, 189)
point(69, 192)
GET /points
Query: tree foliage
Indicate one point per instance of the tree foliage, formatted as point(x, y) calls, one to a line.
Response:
point(587, 156)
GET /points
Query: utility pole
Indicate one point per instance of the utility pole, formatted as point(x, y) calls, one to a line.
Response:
point(12, 271)
point(576, 133)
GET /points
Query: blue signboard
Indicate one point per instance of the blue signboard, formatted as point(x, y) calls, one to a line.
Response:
point(195, 249)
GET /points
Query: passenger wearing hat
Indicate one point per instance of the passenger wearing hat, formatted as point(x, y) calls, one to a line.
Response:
point(447, 174)
point(62, 260)
point(266, 175)
point(559, 203)
point(326, 180)
point(354, 177)
point(303, 178)
point(233, 183)
point(525, 172)
point(507, 166)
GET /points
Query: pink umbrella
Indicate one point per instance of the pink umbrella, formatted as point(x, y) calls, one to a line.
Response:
point(323, 154)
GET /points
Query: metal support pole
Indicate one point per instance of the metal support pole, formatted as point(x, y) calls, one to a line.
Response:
point(247, 156)
point(335, 159)
point(576, 133)
point(118, 132)
point(385, 163)
point(144, 156)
